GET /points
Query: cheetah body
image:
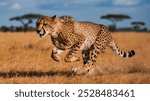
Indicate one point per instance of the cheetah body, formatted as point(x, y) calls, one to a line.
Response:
point(91, 38)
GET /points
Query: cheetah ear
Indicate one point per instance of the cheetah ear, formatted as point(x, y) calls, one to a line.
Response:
point(53, 17)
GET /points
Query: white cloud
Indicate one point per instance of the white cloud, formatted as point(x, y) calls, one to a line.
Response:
point(15, 6)
point(125, 2)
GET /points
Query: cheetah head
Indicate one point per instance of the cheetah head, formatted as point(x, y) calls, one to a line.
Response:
point(46, 26)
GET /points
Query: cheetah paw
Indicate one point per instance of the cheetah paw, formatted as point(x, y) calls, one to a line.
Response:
point(72, 59)
point(79, 71)
point(56, 57)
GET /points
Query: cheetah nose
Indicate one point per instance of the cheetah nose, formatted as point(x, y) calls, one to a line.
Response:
point(38, 31)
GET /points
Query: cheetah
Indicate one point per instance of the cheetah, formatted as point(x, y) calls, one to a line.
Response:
point(88, 37)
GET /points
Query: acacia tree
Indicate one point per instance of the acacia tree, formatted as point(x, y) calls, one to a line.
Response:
point(26, 19)
point(114, 18)
point(137, 25)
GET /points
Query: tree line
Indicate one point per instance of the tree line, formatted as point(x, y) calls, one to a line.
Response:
point(114, 18)
point(27, 20)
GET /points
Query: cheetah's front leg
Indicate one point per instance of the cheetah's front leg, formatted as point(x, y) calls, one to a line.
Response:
point(71, 56)
point(56, 54)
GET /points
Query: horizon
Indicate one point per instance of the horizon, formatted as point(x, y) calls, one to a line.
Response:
point(85, 10)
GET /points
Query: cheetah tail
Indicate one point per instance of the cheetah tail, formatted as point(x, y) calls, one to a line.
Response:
point(120, 52)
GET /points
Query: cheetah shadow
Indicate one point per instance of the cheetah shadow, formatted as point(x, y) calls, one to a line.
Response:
point(12, 74)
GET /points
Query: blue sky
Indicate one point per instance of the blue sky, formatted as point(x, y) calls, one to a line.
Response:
point(87, 10)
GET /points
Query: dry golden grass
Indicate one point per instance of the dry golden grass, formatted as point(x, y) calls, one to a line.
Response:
point(25, 58)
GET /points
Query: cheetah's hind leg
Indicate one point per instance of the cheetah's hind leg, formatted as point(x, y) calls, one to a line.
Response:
point(86, 56)
point(92, 57)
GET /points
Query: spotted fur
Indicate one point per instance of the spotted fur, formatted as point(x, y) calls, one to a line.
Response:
point(91, 38)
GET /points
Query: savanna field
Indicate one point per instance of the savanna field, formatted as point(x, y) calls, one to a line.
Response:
point(25, 59)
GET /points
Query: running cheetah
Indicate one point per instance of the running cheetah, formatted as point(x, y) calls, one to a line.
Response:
point(67, 33)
